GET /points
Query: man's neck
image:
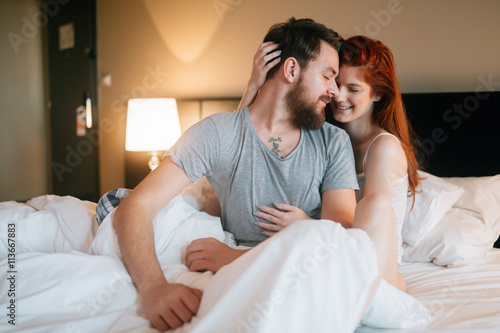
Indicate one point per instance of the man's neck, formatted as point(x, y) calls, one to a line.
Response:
point(272, 121)
point(269, 111)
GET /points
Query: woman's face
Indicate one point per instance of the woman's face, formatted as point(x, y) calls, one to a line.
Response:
point(355, 99)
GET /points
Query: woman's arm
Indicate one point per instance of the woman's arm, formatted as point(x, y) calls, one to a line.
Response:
point(266, 57)
point(384, 165)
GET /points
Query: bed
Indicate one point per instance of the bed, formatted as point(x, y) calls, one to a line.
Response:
point(52, 284)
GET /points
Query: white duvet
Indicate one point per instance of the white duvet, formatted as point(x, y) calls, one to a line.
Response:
point(68, 277)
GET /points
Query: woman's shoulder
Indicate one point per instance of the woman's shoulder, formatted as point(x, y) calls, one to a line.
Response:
point(382, 135)
point(385, 140)
point(385, 149)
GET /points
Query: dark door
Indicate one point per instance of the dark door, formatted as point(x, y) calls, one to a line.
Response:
point(71, 35)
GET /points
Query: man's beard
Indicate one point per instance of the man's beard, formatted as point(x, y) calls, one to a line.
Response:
point(305, 113)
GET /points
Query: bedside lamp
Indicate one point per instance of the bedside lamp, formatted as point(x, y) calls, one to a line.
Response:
point(152, 125)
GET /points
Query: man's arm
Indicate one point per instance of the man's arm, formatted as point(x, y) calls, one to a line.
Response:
point(165, 305)
point(339, 206)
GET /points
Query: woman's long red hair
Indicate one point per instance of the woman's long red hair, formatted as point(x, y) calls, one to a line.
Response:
point(377, 63)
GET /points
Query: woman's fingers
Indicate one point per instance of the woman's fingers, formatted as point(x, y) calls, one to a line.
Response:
point(284, 207)
point(269, 214)
point(268, 47)
point(268, 55)
point(268, 226)
point(269, 233)
point(273, 62)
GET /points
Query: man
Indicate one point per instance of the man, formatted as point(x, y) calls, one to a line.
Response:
point(277, 150)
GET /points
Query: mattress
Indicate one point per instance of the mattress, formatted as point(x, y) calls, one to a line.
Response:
point(461, 299)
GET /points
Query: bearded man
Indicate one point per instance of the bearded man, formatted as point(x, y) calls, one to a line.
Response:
point(277, 150)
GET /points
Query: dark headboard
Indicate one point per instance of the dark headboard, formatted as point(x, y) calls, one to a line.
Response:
point(459, 133)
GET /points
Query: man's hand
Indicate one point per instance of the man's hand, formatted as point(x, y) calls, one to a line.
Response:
point(209, 254)
point(169, 305)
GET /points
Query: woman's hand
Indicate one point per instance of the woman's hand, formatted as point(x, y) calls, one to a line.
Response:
point(266, 57)
point(279, 218)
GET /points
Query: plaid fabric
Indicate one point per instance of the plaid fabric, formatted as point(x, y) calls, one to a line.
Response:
point(108, 202)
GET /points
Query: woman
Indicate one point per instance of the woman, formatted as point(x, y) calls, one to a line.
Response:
point(370, 109)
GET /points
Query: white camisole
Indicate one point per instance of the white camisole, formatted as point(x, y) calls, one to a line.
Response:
point(399, 199)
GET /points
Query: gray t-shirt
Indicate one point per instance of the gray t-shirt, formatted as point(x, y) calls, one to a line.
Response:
point(245, 173)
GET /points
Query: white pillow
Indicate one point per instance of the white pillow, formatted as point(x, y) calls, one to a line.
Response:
point(481, 199)
point(48, 224)
point(436, 198)
point(458, 239)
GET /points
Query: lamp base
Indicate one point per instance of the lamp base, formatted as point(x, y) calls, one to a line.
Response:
point(154, 161)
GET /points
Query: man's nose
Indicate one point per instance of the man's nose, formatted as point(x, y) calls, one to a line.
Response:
point(333, 90)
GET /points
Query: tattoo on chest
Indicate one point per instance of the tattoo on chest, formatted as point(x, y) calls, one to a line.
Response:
point(276, 146)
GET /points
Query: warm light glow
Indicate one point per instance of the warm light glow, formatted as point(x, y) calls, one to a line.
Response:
point(188, 27)
point(152, 124)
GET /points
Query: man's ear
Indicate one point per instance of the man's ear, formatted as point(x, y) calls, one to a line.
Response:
point(291, 69)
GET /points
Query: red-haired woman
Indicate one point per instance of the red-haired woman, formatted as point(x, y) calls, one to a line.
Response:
point(370, 109)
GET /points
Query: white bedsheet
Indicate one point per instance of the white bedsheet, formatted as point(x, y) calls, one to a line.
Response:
point(461, 299)
point(278, 286)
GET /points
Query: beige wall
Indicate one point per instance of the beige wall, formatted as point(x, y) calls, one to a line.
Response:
point(23, 121)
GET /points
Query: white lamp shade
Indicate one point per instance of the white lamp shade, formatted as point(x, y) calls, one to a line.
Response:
point(152, 124)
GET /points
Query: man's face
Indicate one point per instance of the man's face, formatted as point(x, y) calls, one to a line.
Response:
point(314, 89)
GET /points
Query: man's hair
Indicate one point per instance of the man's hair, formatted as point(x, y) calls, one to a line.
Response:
point(300, 39)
